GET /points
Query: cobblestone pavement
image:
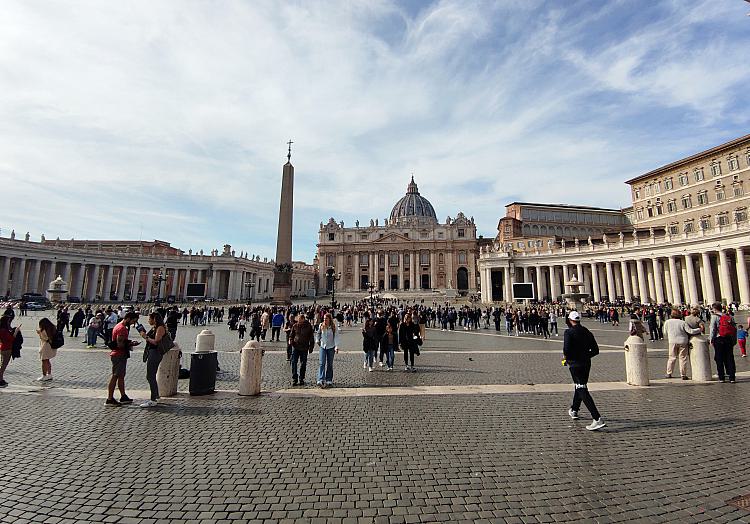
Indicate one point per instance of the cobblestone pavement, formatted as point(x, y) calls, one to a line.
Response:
point(669, 454)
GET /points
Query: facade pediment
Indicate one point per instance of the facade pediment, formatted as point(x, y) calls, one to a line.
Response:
point(392, 237)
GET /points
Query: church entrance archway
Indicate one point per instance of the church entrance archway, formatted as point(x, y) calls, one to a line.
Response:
point(462, 279)
point(394, 282)
point(364, 280)
point(425, 281)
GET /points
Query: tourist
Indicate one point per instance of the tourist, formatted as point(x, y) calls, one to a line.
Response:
point(242, 327)
point(76, 322)
point(327, 338)
point(388, 345)
point(553, 322)
point(92, 330)
point(121, 347)
point(277, 321)
point(579, 346)
point(678, 333)
point(289, 323)
point(7, 338)
point(46, 332)
point(369, 342)
point(302, 341)
point(172, 321)
point(408, 337)
point(265, 323)
point(110, 321)
point(722, 334)
point(153, 355)
point(741, 340)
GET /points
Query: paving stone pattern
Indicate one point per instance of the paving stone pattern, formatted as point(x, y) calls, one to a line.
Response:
point(668, 454)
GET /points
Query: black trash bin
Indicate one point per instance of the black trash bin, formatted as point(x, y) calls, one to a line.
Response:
point(203, 372)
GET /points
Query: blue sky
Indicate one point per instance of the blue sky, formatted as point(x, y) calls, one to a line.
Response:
point(169, 120)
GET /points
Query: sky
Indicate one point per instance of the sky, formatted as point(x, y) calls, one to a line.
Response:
point(169, 120)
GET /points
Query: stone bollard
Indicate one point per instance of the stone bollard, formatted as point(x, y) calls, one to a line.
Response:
point(636, 361)
point(169, 372)
point(251, 363)
point(700, 359)
point(203, 364)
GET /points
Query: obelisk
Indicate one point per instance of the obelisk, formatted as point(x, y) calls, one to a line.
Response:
point(282, 274)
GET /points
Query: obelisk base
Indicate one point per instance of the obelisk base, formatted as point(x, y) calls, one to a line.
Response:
point(282, 288)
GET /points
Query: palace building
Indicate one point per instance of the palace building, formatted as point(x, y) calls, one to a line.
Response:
point(410, 251)
point(685, 239)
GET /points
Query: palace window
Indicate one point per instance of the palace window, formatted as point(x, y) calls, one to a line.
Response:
point(637, 191)
point(349, 237)
point(441, 259)
point(705, 222)
point(668, 184)
point(698, 173)
point(674, 228)
point(406, 235)
point(423, 234)
point(648, 190)
point(331, 236)
point(747, 157)
point(659, 208)
point(424, 258)
point(380, 235)
point(330, 260)
point(715, 168)
point(639, 213)
point(363, 236)
point(722, 219)
point(348, 260)
point(461, 233)
point(407, 260)
point(381, 260)
point(738, 189)
point(688, 226)
point(393, 258)
point(657, 187)
point(364, 259)
point(687, 202)
point(440, 235)
point(520, 245)
point(702, 198)
point(720, 194)
point(462, 257)
point(733, 163)
point(740, 214)
point(684, 179)
point(671, 205)
point(650, 211)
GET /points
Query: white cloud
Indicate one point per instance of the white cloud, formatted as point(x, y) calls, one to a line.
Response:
point(174, 116)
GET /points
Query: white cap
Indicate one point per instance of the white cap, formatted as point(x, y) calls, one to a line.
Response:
point(574, 316)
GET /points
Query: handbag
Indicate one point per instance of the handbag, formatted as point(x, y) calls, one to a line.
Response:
point(165, 344)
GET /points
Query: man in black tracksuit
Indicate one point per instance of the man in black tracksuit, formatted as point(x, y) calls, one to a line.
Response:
point(578, 347)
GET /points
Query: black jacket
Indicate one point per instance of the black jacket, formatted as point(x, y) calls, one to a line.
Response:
point(406, 334)
point(579, 345)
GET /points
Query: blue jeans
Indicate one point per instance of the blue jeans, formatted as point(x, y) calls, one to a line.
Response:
point(325, 371)
point(91, 337)
point(370, 357)
point(390, 356)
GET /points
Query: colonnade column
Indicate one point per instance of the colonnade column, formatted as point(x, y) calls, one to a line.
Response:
point(121, 281)
point(725, 281)
point(692, 282)
point(742, 280)
point(77, 288)
point(4, 276)
point(595, 282)
point(642, 289)
point(92, 282)
point(176, 282)
point(626, 284)
point(677, 299)
point(506, 285)
point(49, 276)
point(107, 291)
point(658, 281)
point(709, 293)
point(611, 292)
point(19, 275)
point(34, 276)
point(540, 291)
point(554, 284)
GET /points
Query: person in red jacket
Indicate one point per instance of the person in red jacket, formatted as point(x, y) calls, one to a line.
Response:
point(7, 336)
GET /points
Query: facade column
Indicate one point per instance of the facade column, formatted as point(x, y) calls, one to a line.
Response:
point(673, 277)
point(4, 276)
point(401, 272)
point(108, 274)
point(373, 277)
point(356, 271)
point(413, 270)
point(595, 282)
point(540, 288)
point(121, 281)
point(19, 275)
point(387, 268)
point(611, 292)
point(36, 266)
point(642, 284)
point(554, 283)
point(433, 270)
point(725, 274)
point(618, 281)
point(650, 280)
point(709, 293)
point(565, 277)
point(92, 282)
point(658, 274)
point(667, 283)
point(627, 286)
point(506, 285)
point(692, 287)
point(742, 281)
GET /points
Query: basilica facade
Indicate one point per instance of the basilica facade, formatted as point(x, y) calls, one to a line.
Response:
point(411, 251)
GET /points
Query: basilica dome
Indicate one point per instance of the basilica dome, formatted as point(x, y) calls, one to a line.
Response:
point(413, 205)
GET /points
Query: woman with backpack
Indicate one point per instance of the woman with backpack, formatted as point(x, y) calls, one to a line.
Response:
point(47, 332)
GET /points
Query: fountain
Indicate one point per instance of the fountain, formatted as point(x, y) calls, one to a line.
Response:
point(574, 297)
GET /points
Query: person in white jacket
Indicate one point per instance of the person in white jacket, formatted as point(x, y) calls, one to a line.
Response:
point(678, 335)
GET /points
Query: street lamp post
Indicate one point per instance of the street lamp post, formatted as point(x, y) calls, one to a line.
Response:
point(332, 279)
point(249, 286)
point(159, 279)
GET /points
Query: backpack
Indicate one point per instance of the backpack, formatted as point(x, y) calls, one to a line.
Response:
point(727, 327)
point(58, 340)
point(17, 345)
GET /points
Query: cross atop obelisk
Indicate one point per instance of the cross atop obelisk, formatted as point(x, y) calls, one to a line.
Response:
point(282, 275)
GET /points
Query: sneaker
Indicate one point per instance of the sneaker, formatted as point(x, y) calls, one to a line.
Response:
point(381, 364)
point(329, 384)
point(573, 414)
point(47, 378)
point(406, 368)
point(413, 369)
point(112, 403)
point(667, 376)
point(3, 384)
point(294, 382)
point(369, 369)
point(41, 379)
point(364, 365)
point(732, 381)
point(390, 369)
point(597, 424)
point(126, 400)
point(149, 404)
point(743, 356)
